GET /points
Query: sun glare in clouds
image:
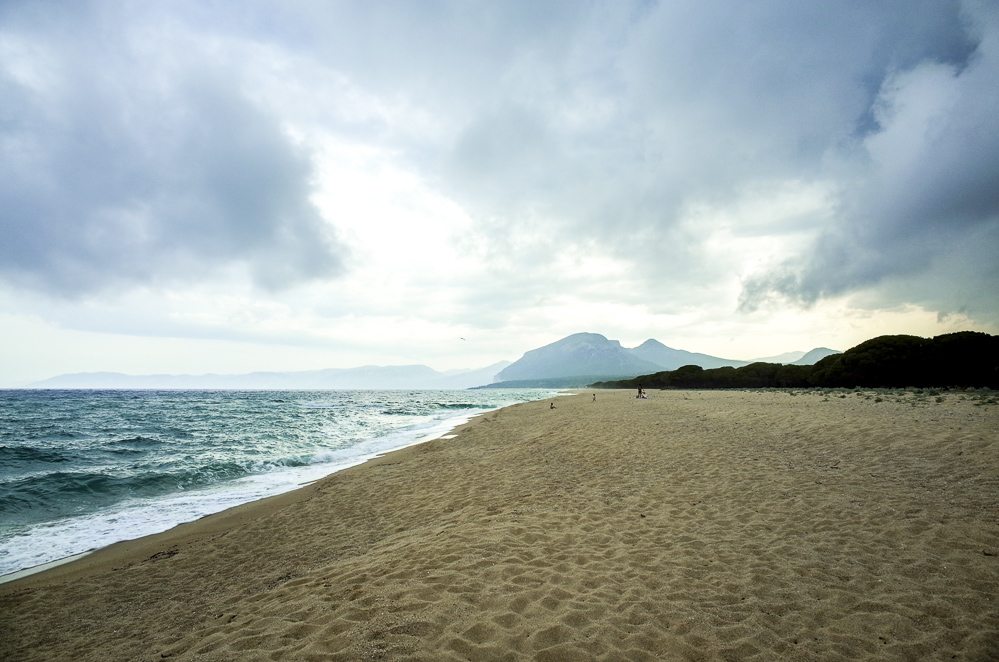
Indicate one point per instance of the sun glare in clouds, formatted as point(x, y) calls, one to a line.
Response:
point(391, 220)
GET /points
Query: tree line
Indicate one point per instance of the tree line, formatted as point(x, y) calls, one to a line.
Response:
point(963, 359)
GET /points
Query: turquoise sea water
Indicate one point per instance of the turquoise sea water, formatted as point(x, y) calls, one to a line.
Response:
point(83, 469)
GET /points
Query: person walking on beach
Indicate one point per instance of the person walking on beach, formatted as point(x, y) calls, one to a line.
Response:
point(594, 397)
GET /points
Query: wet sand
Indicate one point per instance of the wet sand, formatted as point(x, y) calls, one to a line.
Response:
point(696, 525)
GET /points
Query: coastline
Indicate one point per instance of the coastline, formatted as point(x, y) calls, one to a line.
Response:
point(121, 551)
point(693, 525)
point(51, 543)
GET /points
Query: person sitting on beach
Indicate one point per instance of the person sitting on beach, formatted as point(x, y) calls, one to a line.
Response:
point(553, 406)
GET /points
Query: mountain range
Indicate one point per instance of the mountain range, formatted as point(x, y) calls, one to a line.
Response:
point(575, 360)
point(365, 377)
point(582, 358)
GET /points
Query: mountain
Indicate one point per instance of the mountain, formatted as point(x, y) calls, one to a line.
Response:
point(796, 358)
point(586, 357)
point(470, 378)
point(668, 358)
point(575, 355)
point(785, 358)
point(814, 356)
point(365, 377)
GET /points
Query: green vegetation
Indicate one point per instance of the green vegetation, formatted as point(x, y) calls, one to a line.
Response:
point(964, 359)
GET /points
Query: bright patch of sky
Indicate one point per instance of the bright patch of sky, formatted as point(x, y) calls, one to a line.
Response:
point(191, 187)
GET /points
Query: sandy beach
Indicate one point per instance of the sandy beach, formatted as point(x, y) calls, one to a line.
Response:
point(695, 525)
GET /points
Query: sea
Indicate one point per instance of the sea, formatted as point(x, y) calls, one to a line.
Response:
point(80, 470)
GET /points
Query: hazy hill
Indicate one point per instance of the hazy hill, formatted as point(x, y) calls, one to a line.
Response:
point(365, 377)
point(668, 358)
point(470, 378)
point(796, 358)
point(814, 356)
point(786, 357)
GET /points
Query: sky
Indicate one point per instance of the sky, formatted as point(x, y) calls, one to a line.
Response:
point(193, 187)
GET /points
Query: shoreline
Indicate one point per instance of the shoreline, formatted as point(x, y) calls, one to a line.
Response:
point(42, 567)
point(81, 563)
point(692, 525)
point(441, 429)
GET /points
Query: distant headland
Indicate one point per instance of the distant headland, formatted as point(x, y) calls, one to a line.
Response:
point(963, 359)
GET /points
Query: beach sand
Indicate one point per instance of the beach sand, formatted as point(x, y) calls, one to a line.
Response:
point(696, 525)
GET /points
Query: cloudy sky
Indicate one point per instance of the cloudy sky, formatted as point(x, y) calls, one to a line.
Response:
point(235, 186)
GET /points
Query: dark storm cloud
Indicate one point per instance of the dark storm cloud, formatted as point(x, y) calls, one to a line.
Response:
point(929, 183)
point(611, 130)
point(128, 159)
